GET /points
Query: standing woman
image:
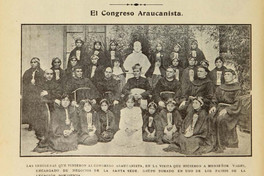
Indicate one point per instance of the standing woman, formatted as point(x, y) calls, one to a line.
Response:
point(30, 81)
point(58, 72)
point(113, 54)
point(97, 51)
point(69, 72)
point(196, 52)
point(217, 74)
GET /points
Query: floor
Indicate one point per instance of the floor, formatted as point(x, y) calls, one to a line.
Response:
point(28, 143)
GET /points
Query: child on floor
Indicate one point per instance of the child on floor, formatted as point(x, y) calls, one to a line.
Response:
point(106, 122)
point(169, 123)
point(89, 124)
point(149, 123)
point(130, 133)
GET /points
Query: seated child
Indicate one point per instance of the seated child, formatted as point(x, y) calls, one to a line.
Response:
point(149, 123)
point(106, 122)
point(193, 136)
point(89, 124)
point(130, 125)
point(169, 123)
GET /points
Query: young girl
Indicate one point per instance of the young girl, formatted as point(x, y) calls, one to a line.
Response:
point(118, 73)
point(64, 126)
point(89, 124)
point(130, 133)
point(112, 54)
point(159, 63)
point(169, 123)
point(176, 53)
point(217, 74)
point(178, 70)
point(149, 123)
point(106, 122)
point(193, 137)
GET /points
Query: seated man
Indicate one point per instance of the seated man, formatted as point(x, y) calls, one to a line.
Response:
point(138, 86)
point(225, 112)
point(81, 88)
point(167, 87)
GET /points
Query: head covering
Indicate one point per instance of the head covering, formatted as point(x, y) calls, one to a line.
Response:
point(113, 42)
point(194, 42)
point(219, 58)
point(170, 100)
point(231, 71)
point(36, 59)
point(104, 101)
point(137, 66)
point(152, 104)
point(205, 68)
point(79, 40)
point(200, 100)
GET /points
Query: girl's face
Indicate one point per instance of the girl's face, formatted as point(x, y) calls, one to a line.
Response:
point(97, 46)
point(130, 103)
point(196, 104)
point(116, 64)
point(193, 46)
point(175, 62)
point(34, 63)
point(94, 60)
point(112, 46)
point(57, 63)
point(87, 107)
point(176, 48)
point(159, 47)
point(65, 102)
point(104, 106)
point(152, 110)
point(73, 62)
point(170, 107)
point(219, 63)
point(191, 62)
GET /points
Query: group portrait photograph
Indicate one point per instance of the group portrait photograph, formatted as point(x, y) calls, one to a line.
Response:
point(168, 90)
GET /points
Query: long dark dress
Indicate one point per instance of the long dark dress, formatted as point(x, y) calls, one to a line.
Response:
point(197, 141)
point(107, 126)
point(103, 61)
point(223, 128)
point(164, 135)
point(30, 94)
point(59, 76)
point(217, 76)
point(89, 126)
point(187, 79)
point(59, 123)
point(199, 55)
point(83, 55)
point(149, 123)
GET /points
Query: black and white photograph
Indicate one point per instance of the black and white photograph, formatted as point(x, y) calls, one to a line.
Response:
point(143, 90)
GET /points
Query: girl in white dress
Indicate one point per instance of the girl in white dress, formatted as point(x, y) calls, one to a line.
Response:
point(130, 126)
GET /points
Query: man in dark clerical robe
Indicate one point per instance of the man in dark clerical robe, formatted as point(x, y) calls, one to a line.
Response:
point(137, 86)
point(79, 52)
point(81, 88)
point(225, 113)
point(167, 87)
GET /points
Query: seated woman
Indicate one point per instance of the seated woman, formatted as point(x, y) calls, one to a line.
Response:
point(89, 124)
point(168, 123)
point(225, 112)
point(130, 133)
point(62, 135)
point(107, 125)
point(193, 138)
point(149, 123)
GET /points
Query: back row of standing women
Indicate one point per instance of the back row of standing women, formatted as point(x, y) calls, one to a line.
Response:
point(173, 87)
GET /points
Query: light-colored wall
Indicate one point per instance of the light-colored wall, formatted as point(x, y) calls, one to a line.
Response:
point(42, 41)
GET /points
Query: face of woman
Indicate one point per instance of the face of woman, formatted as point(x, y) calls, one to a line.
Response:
point(176, 48)
point(201, 73)
point(219, 63)
point(151, 110)
point(112, 46)
point(159, 47)
point(65, 102)
point(97, 46)
point(192, 62)
point(196, 104)
point(73, 62)
point(57, 63)
point(170, 107)
point(130, 103)
point(78, 44)
point(175, 62)
point(193, 46)
point(87, 107)
point(104, 106)
point(34, 63)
